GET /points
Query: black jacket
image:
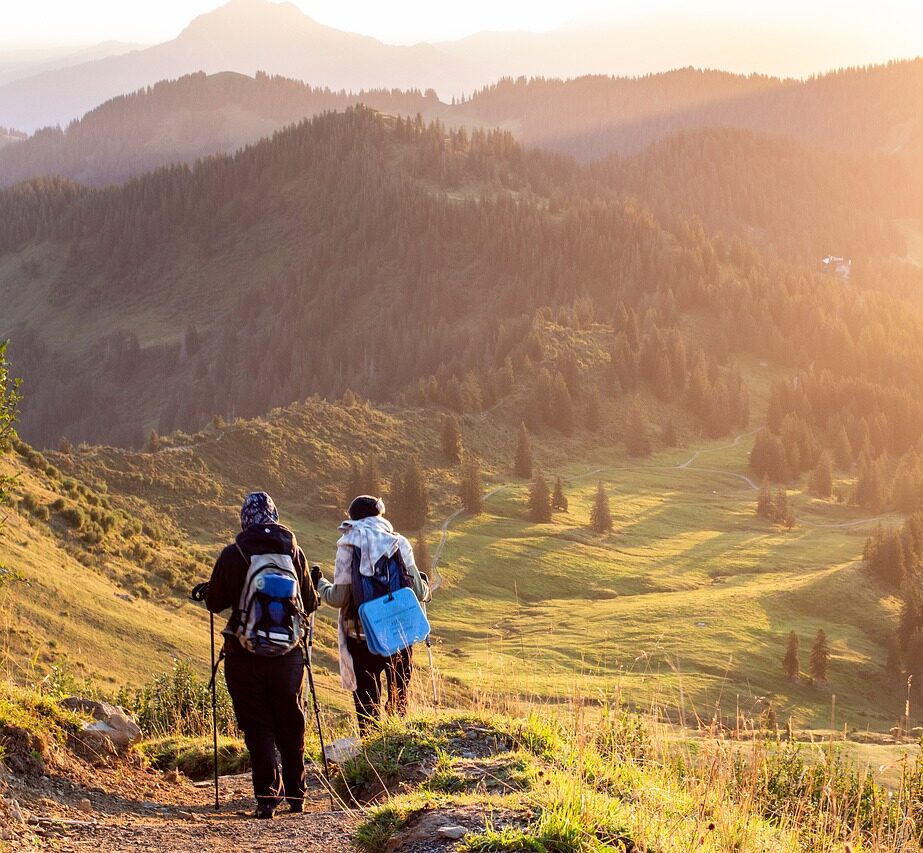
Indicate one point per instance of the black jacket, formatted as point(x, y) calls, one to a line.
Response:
point(230, 571)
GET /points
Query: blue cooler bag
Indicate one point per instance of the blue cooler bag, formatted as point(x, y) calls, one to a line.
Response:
point(393, 622)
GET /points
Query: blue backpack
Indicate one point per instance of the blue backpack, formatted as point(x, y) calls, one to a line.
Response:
point(387, 606)
point(270, 616)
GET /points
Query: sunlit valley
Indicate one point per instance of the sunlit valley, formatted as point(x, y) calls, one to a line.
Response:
point(635, 361)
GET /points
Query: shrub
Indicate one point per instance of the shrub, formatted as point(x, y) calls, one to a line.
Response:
point(178, 703)
point(73, 516)
point(192, 756)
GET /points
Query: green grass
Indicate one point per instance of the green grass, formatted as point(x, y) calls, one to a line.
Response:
point(629, 784)
point(193, 756)
point(685, 605)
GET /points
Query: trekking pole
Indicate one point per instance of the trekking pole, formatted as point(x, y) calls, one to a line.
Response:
point(199, 592)
point(437, 582)
point(432, 667)
point(308, 661)
point(309, 648)
point(211, 622)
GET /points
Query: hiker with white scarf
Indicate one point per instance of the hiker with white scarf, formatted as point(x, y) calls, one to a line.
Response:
point(368, 535)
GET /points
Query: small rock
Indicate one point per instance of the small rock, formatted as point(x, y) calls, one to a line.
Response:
point(472, 735)
point(453, 833)
point(173, 776)
point(85, 805)
point(6, 835)
point(149, 806)
point(16, 812)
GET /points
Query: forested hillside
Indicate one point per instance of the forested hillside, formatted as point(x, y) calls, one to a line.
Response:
point(382, 255)
point(802, 201)
point(178, 121)
point(351, 251)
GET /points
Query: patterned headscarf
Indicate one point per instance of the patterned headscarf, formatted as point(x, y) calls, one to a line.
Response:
point(258, 508)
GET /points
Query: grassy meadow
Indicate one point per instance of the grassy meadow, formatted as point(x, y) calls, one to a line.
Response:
point(686, 605)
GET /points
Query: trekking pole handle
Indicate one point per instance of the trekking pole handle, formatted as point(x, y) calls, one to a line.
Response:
point(199, 592)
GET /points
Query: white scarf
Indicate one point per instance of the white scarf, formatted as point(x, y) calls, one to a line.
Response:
point(374, 537)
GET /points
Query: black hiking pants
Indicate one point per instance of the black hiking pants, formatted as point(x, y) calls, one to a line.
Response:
point(268, 697)
point(368, 668)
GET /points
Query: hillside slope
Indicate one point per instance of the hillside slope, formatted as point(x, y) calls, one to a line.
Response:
point(95, 591)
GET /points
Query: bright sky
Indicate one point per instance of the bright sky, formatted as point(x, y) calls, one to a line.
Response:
point(885, 27)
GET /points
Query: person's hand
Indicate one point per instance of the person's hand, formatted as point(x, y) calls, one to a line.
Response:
point(315, 575)
point(199, 592)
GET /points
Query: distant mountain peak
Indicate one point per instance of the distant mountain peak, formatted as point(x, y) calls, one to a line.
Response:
point(254, 13)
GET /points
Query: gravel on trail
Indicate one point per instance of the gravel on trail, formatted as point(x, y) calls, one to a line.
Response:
point(185, 820)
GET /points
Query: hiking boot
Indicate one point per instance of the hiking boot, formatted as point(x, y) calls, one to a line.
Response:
point(265, 811)
point(296, 806)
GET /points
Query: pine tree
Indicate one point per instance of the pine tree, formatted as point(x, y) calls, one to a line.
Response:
point(781, 511)
point(870, 484)
point(668, 434)
point(637, 438)
point(539, 500)
point(768, 456)
point(371, 477)
point(153, 442)
point(562, 406)
point(354, 483)
point(421, 555)
point(415, 496)
point(559, 499)
point(764, 501)
point(842, 450)
point(593, 411)
point(396, 503)
point(451, 439)
point(472, 497)
point(821, 482)
point(600, 516)
point(9, 411)
point(820, 658)
point(523, 464)
point(791, 663)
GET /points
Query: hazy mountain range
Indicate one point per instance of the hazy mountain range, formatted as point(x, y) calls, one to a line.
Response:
point(592, 117)
point(18, 63)
point(251, 35)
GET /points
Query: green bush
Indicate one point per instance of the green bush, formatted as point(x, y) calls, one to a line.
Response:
point(73, 516)
point(178, 703)
point(193, 756)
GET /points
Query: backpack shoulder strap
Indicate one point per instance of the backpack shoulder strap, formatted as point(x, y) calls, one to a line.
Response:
point(241, 552)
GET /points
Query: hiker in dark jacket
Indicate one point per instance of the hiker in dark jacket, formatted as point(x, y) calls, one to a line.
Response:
point(267, 692)
point(370, 534)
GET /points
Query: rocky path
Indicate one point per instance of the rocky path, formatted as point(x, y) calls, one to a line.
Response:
point(180, 816)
